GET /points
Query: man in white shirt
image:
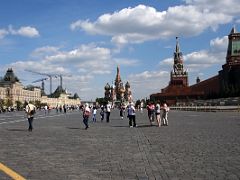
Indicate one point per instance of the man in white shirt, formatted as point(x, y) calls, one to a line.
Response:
point(108, 111)
point(30, 110)
point(132, 115)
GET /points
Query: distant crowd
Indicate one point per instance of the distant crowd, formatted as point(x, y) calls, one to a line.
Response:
point(156, 112)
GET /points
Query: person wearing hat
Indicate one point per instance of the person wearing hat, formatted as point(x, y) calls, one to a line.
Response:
point(30, 110)
point(86, 114)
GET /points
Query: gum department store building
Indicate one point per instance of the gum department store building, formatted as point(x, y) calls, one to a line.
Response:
point(11, 89)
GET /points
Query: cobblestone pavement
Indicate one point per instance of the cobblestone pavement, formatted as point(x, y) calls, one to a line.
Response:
point(195, 145)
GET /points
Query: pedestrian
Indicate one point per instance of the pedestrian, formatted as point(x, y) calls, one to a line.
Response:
point(108, 111)
point(102, 113)
point(122, 108)
point(151, 109)
point(158, 115)
point(94, 114)
point(65, 108)
point(30, 110)
point(141, 107)
point(86, 114)
point(132, 115)
point(165, 114)
point(46, 109)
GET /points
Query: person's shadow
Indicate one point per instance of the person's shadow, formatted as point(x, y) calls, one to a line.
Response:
point(20, 130)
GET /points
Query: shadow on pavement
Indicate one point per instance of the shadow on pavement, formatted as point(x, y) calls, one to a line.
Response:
point(16, 129)
point(73, 128)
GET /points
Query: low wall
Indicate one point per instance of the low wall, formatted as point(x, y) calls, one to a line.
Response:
point(206, 108)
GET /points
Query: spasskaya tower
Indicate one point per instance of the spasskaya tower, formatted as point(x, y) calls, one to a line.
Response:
point(179, 76)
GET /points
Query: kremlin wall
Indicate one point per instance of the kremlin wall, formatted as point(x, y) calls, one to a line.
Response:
point(225, 84)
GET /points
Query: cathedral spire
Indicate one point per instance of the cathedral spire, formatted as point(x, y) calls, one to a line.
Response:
point(118, 78)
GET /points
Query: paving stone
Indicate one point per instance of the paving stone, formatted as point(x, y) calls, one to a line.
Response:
point(196, 145)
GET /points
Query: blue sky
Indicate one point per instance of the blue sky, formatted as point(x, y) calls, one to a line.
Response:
point(87, 39)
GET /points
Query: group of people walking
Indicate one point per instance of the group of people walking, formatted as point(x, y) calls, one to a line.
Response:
point(155, 112)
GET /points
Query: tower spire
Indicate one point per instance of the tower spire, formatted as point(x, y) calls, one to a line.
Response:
point(177, 46)
point(233, 30)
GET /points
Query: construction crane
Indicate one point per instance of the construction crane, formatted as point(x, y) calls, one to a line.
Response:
point(44, 74)
point(61, 79)
point(42, 80)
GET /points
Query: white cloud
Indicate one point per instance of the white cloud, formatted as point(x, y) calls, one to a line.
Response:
point(45, 51)
point(26, 31)
point(88, 59)
point(126, 62)
point(230, 7)
point(148, 82)
point(3, 33)
point(87, 64)
point(143, 23)
point(219, 44)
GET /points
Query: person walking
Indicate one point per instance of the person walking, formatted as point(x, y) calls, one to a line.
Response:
point(46, 109)
point(102, 113)
point(30, 110)
point(122, 109)
point(132, 115)
point(108, 111)
point(65, 108)
point(150, 109)
point(158, 115)
point(94, 114)
point(165, 114)
point(86, 114)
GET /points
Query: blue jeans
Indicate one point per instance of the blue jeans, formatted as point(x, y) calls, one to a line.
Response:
point(30, 120)
point(85, 121)
point(94, 118)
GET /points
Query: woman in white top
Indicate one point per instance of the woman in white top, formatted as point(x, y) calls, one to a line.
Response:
point(165, 114)
point(158, 115)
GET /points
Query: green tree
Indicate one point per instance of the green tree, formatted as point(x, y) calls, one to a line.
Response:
point(101, 101)
point(138, 103)
point(37, 104)
point(8, 103)
point(1, 103)
point(19, 105)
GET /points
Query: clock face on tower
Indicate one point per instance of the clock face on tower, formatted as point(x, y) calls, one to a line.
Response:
point(178, 66)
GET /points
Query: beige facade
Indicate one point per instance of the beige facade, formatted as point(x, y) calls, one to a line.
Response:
point(16, 92)
point(63, 99)
point(12, 89)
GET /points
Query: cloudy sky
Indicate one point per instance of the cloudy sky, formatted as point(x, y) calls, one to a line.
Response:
point(85, 40)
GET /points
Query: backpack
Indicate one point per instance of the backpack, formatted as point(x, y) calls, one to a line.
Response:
point(32, 112)
point(87, 113)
